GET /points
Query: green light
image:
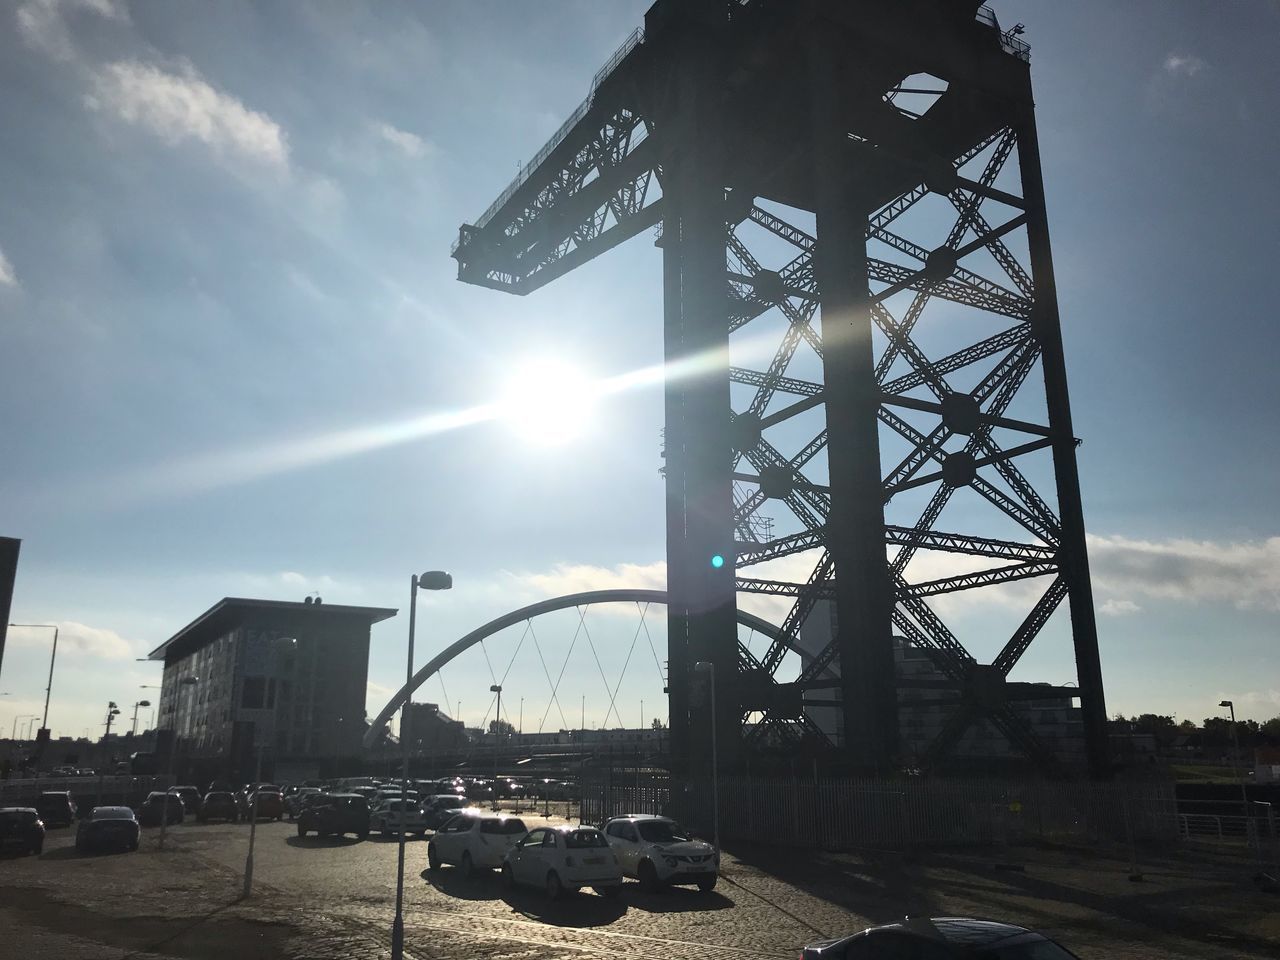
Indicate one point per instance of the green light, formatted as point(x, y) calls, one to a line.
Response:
point(717, 561)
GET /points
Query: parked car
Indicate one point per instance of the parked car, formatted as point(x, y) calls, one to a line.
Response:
point(440, 814)
point(293, 799)
point(266, 804)
point(338, 813)
point(21, 830)
point(190, 796)
point(947, 938)
point(56, 808)
point(657, 851)
point(219, 805)
point(563, 858)
point(474, 842)
point(385, 818)
point(108, 828)
point(160, 805)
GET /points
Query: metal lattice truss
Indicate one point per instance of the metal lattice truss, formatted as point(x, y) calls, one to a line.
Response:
point(950, 414)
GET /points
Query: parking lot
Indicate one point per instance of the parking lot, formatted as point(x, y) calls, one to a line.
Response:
point(321, 898)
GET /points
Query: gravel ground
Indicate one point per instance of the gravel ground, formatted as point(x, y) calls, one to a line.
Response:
point(321, 899)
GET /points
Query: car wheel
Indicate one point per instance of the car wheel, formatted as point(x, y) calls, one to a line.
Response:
point(555, 889)
point(133, 846)
point(508, 877)
point(467, 866)
point(433, 858)
point(302, 831)
point(611, 893)
point(363, 834)
point(648, 876)
point(707, 884)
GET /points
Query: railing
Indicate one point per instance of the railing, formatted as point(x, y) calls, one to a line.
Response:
point(634, 40)
point(1008, 42)
point(835, 813)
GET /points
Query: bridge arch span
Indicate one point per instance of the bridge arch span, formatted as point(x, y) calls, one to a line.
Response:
point(464, 643)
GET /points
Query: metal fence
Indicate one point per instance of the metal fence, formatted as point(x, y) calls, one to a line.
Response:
point(843, 813)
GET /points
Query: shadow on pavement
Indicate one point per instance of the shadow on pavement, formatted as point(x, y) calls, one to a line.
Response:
point(321, 842)
point(71, 853)
point(675, 899)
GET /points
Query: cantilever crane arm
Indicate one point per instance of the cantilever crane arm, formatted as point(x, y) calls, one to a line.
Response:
point(596, 184)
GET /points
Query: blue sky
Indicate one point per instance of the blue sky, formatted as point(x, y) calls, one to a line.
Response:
point(227, 309)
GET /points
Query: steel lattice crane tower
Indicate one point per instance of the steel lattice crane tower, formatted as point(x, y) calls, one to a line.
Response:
point(856, 185)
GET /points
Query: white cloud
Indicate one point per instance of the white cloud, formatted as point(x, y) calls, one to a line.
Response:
point(408, 143)
point(80, 637)
point(1184, 64)
point(566, 578)
point(1244, 574)
point(43, 23)
point(1118, 608)
point(182, 107)
point(7, 277)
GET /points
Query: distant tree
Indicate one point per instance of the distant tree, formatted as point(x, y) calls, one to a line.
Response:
point(659, 725)
point(501, 727)
point(1188, 727)
point(1271, 731)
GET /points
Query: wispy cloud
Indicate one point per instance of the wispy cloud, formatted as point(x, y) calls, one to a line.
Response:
point(182, 107)
point(566, 578)
point(43, 23)
point(1243, 574)
point(90, 641)
point(1118, 608)
point(7, 276)
point(1184, 64)
point(407, 143)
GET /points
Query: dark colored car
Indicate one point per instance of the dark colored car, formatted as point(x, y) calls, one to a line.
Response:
point(340, 813)
point(441, 807)
point(108, 828)
point(266, 804)
point(295, 800)
point(219, 805)
point(56, 808)
point(942, 938)
point(190, 798)
point(154, 807)
point(21, 830)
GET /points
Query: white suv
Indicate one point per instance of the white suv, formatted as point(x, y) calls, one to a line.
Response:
point(657, 851)
point(473, 842)
point(385, 817)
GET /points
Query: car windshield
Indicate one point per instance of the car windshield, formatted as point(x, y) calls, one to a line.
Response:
point(111, 813)
point(584, 839)
point(1027, 950)
point(17, 816)
point(662, 831)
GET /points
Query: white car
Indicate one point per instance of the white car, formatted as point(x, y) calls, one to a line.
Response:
point(474, 842)
point(385, 818)
point(564, 858)
point(657, 851)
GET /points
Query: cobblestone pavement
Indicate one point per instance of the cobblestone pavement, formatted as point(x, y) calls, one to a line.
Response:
point(323, 899)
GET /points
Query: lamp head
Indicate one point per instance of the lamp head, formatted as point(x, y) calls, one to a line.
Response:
point(144, 703)
point(435, 580)
point(495, 688)
point(189, 681)
point(1226, 703)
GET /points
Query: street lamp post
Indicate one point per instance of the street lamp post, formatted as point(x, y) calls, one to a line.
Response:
point(173, 749)
point(257, 769)
point(133, 730)
point(14, 733)
point(704, 666)
point(497, 734)
point(44, 722)
point(431, 580)
point(1235, 740)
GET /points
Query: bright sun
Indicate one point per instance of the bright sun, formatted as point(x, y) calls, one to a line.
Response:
point(548, 402)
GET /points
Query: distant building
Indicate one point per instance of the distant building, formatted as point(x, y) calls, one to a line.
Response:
point(282, 677)
point(432, 730)
point(1055, 718)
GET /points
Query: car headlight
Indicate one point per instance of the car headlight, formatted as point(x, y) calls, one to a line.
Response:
point(671, 861)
